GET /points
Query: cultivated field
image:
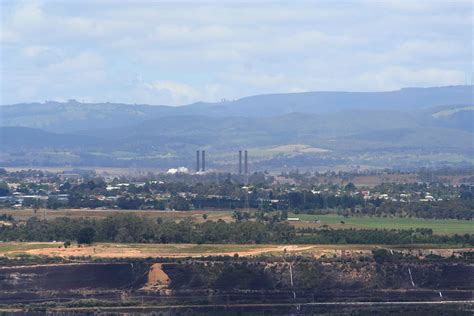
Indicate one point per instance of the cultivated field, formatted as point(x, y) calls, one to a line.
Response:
point(114, 250)
point(445, 227)
point(24, 214)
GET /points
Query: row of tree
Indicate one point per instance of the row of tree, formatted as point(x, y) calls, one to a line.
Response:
point(126, 228)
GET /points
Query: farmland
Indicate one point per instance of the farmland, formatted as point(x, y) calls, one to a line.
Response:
point(439, 226)
point(445, 226)
point(25, 214)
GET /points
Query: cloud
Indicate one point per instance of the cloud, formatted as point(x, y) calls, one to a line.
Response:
point(394, 77)
point(177, 92)
point(257, 79)
point(83, 61)
point(185, 52)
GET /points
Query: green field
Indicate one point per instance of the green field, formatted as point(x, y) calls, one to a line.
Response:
point(447, 226)
point(195, 248)
point(23, 246)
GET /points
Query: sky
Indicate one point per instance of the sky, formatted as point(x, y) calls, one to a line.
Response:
point(180, 52)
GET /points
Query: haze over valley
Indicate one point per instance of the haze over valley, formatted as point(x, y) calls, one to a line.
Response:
point(426, 126)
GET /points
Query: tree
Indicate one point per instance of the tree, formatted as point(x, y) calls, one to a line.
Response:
point(237, 215)
point(65, 187)
point(129, 202)
point(53, 203)
point(4, 190)
point(350, 187)
point(179, 203)
point(86, 235)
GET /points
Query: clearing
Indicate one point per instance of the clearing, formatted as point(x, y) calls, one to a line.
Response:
point(25, 214)
point(114, 250)
point(439, 226)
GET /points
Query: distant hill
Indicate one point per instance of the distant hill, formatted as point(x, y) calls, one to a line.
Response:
point(454, 116)
point(402, 128)
point(75, 116)
point(330, 102)
point(21, 137)
point(365, 129)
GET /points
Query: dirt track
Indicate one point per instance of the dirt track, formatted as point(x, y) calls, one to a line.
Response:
point(111, 250)
point(173, 251)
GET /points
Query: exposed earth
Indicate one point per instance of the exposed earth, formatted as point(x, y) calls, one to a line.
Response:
point(114, 250)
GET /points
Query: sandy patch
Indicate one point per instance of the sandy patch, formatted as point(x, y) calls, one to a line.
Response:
point(157, 278)
point(161, 250)
point(111, 250)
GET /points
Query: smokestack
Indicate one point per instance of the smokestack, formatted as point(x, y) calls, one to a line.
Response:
point(240, 161)
point(197, 161)
point(246, 169)
point(203, 160)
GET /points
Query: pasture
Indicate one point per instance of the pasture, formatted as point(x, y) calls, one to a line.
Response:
point(444, 226)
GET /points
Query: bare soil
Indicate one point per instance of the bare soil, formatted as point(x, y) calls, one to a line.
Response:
point(111, 250)
point(158, 250)
point(157, 278)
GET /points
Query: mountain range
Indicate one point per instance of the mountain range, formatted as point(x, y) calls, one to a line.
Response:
point(410, 127)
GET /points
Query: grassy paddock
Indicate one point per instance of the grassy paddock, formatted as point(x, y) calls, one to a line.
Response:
point(25, 214)
point(445, 227)
point(6, 247)
point(442, 227)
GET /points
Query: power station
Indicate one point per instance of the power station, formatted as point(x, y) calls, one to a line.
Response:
point(240, 161)
point(201, 161)
point(198, 163)
point(246, 169)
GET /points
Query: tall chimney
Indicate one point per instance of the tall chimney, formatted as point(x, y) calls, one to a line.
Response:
point(240, 161)
point(246, 169)
point(198, 164)
point(203, 160)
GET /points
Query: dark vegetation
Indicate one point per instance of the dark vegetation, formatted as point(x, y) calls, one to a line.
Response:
point(130, 228)
point(389, 272)
point(309, 193)
point(269, 200)
point(227, 281)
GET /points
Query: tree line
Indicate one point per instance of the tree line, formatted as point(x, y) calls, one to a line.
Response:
point(128, 228)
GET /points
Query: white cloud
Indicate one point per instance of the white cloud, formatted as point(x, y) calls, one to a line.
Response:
point(190, 51)
point(396, 77)
point(80, 62)
point(254, 78)
point(177, 92)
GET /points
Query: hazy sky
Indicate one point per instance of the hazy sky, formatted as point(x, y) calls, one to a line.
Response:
point(181, 52)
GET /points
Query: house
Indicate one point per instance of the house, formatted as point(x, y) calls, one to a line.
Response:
point(70, 177)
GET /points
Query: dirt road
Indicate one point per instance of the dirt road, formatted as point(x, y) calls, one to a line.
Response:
point(114, 250)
